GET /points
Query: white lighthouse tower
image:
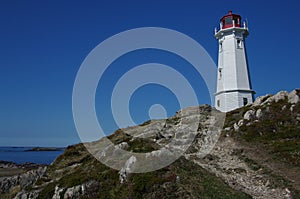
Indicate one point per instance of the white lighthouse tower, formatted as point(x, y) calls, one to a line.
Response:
point(233, 81)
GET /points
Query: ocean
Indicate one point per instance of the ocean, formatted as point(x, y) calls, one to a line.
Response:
point(22, 155)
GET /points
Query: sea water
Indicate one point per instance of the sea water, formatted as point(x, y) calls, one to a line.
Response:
point(22, 155)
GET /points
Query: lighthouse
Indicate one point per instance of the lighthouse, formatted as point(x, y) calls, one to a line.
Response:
point(233, 80)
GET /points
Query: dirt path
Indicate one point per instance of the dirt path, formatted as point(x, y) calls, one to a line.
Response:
point(259, 154)
point(227, 161)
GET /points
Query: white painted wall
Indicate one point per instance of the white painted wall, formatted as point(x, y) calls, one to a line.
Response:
point(233, 82)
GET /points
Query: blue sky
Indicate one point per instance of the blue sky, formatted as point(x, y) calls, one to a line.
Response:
point(43, 44)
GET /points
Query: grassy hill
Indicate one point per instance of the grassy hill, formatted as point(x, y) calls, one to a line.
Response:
point(256, 156)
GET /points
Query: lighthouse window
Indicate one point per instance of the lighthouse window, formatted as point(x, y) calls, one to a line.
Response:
point(228, 20)
point(245, 101)
point(239, 43)
point(218, 103)
point(236, 21)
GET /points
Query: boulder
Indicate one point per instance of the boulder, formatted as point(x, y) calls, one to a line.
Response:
point(258, 101)
point(74, 192)
point(259, 114)
point(57, 192)
point(293, 98)
point(249, 115)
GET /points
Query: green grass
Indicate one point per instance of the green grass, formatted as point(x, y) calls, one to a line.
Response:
point(140, 145)
point(47, 191)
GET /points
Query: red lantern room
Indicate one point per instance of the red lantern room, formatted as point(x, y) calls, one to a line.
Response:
point(230, 20)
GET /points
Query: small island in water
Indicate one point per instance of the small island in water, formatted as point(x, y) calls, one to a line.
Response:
point(46, 149)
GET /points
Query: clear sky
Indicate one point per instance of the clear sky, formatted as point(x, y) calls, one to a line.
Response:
point(43, 44)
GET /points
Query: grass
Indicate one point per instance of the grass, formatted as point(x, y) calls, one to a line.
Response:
point(47, 191)
point(140, 145)
point(119, 136)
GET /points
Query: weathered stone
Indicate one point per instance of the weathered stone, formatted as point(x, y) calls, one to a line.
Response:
point(259, 114)
point(236, 127)
point(122, 145)
point(126, 169)
point(292, 107)
point(293, 98)
point(24, 180)
point(57, 192)
point(249, 115)
point(279, 96)
point(74, 192)
point(240, 123)
point(227, 129)
point(26, 195)
point(258, 101)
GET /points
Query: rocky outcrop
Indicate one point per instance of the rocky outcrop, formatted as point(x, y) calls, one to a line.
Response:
point(258, 101)
point(26, 179)
point(293, 97)
point(249, 115)
point(126, 169)
point(258, 114)
point(255, 113)
point(75, 191)
point(27, 195)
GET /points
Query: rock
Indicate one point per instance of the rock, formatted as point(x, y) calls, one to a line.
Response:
point(268, 99)
point(74, 192)
point(24, 180)
point(249, 124)
point(26, 195)
point(249, 115)
point(267, 183)
point(236, 127)
point(279, 96)
point(240, 123)
point(21, 195)
point(122, 145)
point(126, 169)
point(293, 98)
point(287, 190)
point(292, 107)
point(260, 100)
point(58, 192)
point(227, 129)
point(258, 114)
